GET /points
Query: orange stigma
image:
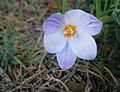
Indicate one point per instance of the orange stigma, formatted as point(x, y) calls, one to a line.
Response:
point(69, 31)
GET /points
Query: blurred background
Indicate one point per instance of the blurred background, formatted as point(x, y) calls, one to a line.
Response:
point(26, 67)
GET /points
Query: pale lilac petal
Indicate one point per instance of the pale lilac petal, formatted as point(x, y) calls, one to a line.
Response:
point(94, 27)
point(77, 17)
point(54, 23)
point(84, 46)
point(66, 58)
point(54, 43)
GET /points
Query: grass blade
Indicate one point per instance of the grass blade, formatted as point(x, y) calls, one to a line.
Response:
point(106, 3)
point(17, 36)
point(20, 77)
point(58, 5)
point(116, 9)
point(98, 8)
point(63, 6)
point(78, 4)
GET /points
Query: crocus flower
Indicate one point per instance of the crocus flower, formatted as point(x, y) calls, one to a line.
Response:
point(70, 36)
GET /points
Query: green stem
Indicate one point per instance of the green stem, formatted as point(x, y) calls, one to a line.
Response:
point(63, 6)
point(98, 8)
point(78, 4)
point(105, 7)
point(58, 5)
point(20, 77)
point(116, 8)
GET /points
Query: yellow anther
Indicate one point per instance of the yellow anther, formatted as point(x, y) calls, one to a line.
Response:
point(69, 31)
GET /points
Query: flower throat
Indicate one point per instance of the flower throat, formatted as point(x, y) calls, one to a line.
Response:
point(69, 31)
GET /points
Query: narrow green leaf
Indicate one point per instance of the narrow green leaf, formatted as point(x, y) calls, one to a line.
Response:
point(117, 15)
point(106, 3)
point(98, 8)
point(58, 5)
point(78, 4)
point(63, 6)
point(20, 77)
point(17, 36)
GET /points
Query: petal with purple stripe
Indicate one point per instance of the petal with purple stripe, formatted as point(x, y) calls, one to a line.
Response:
point(54, 43)
point(93, 28)
point(54, 23)
point(66, 58)
point(84, 46)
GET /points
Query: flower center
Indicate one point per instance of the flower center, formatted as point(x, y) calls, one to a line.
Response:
point(69, 30)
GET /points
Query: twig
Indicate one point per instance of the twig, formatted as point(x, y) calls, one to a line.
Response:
point(111, 75)
point(52, 78)
point(28, 79)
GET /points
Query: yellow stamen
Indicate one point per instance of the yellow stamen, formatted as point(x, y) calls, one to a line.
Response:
point(69, 31)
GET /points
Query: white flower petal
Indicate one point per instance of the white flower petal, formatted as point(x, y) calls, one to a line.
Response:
point(93, 28)
point(77, 17)
point(84, 46)
point(66, 58)
point(54, 23)
point(54, 43)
